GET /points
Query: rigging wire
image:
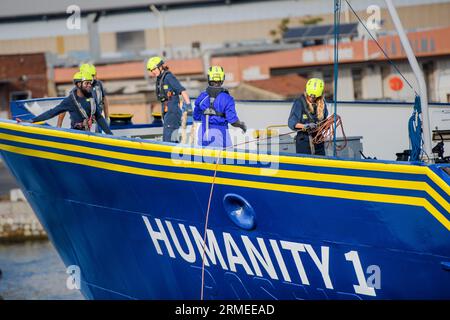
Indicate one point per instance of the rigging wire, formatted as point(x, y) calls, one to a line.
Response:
point(325, 130)
point(414, 124)
point(337, 23)
point(381, 48)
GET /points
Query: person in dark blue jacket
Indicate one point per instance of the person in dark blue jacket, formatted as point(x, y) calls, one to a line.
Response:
point(81, 106)
point(168, 90)
point(306, 114)
point(98, 92)
point(215, 108)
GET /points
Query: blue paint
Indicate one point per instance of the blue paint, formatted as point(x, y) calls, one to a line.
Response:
point(445, 265)
point(239, 211)
point(102, 230)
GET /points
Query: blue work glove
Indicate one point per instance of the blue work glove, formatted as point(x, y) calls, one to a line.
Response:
point(310, 126)
point(186, 107)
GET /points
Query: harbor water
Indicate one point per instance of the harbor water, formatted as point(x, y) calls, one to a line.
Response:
point(32, 270)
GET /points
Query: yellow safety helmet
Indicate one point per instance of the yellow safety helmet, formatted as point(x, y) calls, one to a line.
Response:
point(154, 62)
point(93, 70)
point(88, 68)
point(216, 73)
point(77, 77)
point(86, 76)
point(314, 87)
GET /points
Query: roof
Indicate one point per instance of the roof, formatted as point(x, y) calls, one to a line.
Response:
point(288, 86)
point(131, 70)
point(429, 43)
point(23, 8)
point(15, 10)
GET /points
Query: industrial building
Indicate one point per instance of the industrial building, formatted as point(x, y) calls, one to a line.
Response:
point(253, 40)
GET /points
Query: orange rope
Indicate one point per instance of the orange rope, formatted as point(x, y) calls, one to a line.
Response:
point(325, 132)
point(206, 224)
point(210, 198)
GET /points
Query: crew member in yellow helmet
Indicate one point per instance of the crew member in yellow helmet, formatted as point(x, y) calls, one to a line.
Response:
point(77, 77)
point(168, 91)
point(215, 108)
point(98, 93)
point(98, 90)
point(306, 113)
point(81, 106)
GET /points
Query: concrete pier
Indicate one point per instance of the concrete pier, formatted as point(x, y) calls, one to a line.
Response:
point(7, 182)
point(18, 222)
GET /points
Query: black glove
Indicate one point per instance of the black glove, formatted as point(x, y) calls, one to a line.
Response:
point(243, 127)
point(240, 124)
point(310, 126)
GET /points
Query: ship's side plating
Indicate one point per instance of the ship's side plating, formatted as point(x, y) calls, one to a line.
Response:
point(131, 216)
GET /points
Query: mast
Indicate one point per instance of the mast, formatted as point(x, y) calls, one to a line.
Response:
point(418, 74)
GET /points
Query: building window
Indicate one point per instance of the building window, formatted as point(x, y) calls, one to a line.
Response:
point(432, 45)
point(393, 48)
point(424, 45)
point(357, 83)
point(130, 41)
point(329, 84)
point(429, 73)
point(196, 49)
point(19, 95)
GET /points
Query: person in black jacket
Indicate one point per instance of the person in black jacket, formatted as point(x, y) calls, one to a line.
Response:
point(98, 92)
point(80, 104)
point(306, 114)
point(168, 92)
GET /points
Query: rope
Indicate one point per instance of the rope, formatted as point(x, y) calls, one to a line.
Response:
point(328, 127)
point(326, 132)
point(210, 198)
point(415, 131)
point(382, 50)
point(414, 123)
point(206, 223)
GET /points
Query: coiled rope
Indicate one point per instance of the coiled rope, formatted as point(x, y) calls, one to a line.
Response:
point(326, 132)
point(415, 131)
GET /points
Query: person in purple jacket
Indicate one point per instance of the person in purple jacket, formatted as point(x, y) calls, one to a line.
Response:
point(215, 108)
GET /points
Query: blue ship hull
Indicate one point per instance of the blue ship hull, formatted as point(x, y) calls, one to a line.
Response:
point(131, 215)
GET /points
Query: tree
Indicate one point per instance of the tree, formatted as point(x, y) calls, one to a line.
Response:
point(309, 21)
point(277, 34)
